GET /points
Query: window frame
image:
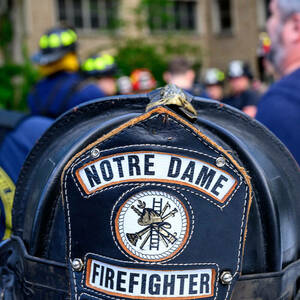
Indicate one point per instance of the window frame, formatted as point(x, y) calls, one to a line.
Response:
point(216, 19)
point(262, 13)
point(199, 18)
point(86, 17)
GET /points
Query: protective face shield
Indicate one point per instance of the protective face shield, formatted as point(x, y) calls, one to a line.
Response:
point(54, 45)
point(155, 196)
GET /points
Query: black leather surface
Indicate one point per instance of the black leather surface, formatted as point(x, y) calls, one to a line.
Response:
point(269, 286)
point(216, 228)
point(26, 277)
point(274, 223)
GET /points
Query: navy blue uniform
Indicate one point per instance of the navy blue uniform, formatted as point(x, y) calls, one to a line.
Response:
point(18, 143)
point(59, 92)
point(246, 98)
point(198, 90)
point(279, 110)
point(13, 152)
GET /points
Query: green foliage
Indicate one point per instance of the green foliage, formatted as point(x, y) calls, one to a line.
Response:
point(141, 53)
point(6, 34)
point(152, 51)
point(136, 53)
point(174, 46)
point(16, 80)
point(30, 76)
point(15, 83)
point(7, 72)
point(158, 13)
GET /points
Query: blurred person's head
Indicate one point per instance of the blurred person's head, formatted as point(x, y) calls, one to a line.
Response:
point(284, 30)
point(103, 68)
point(57, 51)
point(269, 65)
point(180, 73)
point(264, 45)
point(142, 81)
point(239, 76)
point(124, 85)
point(214, 83)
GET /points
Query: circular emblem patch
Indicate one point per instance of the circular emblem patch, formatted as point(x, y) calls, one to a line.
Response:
point(152, 225)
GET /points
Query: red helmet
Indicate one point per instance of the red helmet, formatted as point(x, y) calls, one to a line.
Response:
point(142, 80)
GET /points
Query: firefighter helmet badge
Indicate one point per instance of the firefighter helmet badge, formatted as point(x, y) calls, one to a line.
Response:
point(152, 225)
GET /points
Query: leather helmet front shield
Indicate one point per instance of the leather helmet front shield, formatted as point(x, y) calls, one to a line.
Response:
point(155, 210)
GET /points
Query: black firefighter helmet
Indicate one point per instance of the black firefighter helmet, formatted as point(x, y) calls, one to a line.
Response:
point(238, 68)
point(214, 76)
point(99, 65)
point(55, 44)
point(155, 196)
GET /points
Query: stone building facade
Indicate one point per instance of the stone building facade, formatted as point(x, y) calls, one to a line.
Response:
point(225, 29)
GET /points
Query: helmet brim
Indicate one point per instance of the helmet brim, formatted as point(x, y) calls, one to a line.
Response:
point(45, 59)
point(109, 72)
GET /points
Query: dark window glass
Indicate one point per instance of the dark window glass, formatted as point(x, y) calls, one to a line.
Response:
point(62, 12)
point(177, 15)
point(78, 19)
point(225, 14)
point(111, 13)
point(267, 10)
point(94, 13)
point(101, 14)
point(191, 13)
point(169, 15)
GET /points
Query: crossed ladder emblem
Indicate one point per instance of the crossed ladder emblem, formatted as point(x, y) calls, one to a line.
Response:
point(157, 229)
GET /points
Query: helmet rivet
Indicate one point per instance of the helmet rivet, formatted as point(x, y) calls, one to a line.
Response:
point(220, 162)
point(77, 264)
point(226, 277)
point(95, 152)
